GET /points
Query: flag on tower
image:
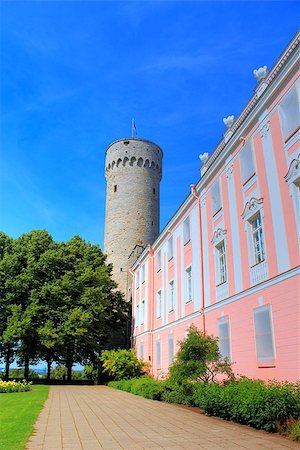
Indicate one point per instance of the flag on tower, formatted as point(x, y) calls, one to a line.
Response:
point(133, 128)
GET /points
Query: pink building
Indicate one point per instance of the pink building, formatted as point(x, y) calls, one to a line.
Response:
point(228, 260)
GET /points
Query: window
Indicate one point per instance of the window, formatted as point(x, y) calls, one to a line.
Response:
point(154, 191)
point(170, 248)
point(171, 296)
point(137, 316)
point(257, 238)
point(290, 112)
point(216, 204)
point(142, 313)
point(158, 304)
point(143, 274)
point(188, 284)
point(158, 267)
point(247, 164)
point(221, 263)
point(141, 351)
point(224, 337)
point(171, 348)
point(137, 279)
point(263, 333)
point(115, 188)
point(293, 180)
point(186, 230)
point(158, 354)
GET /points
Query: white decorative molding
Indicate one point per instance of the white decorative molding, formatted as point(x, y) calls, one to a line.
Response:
point(258, 273)
point(264, 130)
point(294, 171)
point(218, 236)
point(221, 291)
point(260, 73)
point(251, 207)
point(269, 79)
point(229, 171)
point(203, 202)
point(204, 157)
point(228, 121)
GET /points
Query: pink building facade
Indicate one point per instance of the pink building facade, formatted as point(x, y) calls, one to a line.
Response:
point(228, 260)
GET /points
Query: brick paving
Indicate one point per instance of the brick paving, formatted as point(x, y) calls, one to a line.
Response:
point(97, 417)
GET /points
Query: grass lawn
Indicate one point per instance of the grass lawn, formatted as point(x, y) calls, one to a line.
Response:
point(18, 412)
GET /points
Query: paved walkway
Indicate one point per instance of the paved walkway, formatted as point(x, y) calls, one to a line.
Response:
point(92, 418)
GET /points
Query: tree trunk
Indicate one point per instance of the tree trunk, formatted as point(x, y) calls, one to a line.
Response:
point(49, 362)
point(99, 374)
point(26, 369)
point(69, 370)
point(7, 363)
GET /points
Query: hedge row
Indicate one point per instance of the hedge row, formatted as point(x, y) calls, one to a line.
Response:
point(267, 406)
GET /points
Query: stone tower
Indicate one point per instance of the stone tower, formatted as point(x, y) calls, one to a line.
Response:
point(133, 172)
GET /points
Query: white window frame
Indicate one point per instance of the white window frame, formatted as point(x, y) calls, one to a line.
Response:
point(143, 274)
point(282, 112)
point(188, 284)
point(216, 186)
point(186, 230)
point(158, 261)
point(258, 270)
point(293, 180)
point(171, 295)
point(247, 147)
point(171, 348)
point(219, 237)
point(142, 313)
point(158, 304)
point(137, 316)
point(158, 354)
point(265, 359)
point(141, 350)
point(170, 248)
point(225, 320)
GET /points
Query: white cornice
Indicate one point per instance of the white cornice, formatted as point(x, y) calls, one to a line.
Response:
point(294, 171)
point(252, 206)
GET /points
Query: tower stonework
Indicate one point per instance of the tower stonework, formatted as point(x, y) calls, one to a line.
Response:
point(133, 171)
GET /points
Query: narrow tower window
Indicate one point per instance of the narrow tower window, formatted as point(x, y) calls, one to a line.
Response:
point(115, 188)
point(153, 190)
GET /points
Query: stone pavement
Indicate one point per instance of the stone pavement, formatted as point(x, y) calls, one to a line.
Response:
point(96, 417)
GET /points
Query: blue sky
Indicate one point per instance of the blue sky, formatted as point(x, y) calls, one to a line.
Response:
point(73, 74)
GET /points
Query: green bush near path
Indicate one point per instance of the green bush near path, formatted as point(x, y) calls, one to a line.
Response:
point(268, 406)
point(18, 413)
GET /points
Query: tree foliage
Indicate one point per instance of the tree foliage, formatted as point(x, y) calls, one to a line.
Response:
point(123, 364)
point(198, 359)
point(58, 302)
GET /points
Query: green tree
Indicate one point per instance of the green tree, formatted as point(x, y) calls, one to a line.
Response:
point(198, 359)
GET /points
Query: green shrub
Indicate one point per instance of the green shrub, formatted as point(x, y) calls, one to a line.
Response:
point(266, 406)
point(144, 386)
point(123, 364)
point(294, 431)
point(18, 372)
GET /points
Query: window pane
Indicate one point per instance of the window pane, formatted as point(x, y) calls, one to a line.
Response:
point(263, 333)
point(158, 359)
point(158, 260)
point(186, 230)
point(170, 248)
point(224, 338)
point(290, 112)
point(141, 351)
point(171, 348)
point(216, 197)
point(143, 274)
point(247, 164)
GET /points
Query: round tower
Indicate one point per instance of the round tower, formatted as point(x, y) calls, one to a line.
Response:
point(133, 172)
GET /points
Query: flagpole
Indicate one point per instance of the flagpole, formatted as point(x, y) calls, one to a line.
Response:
point(132, 122)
